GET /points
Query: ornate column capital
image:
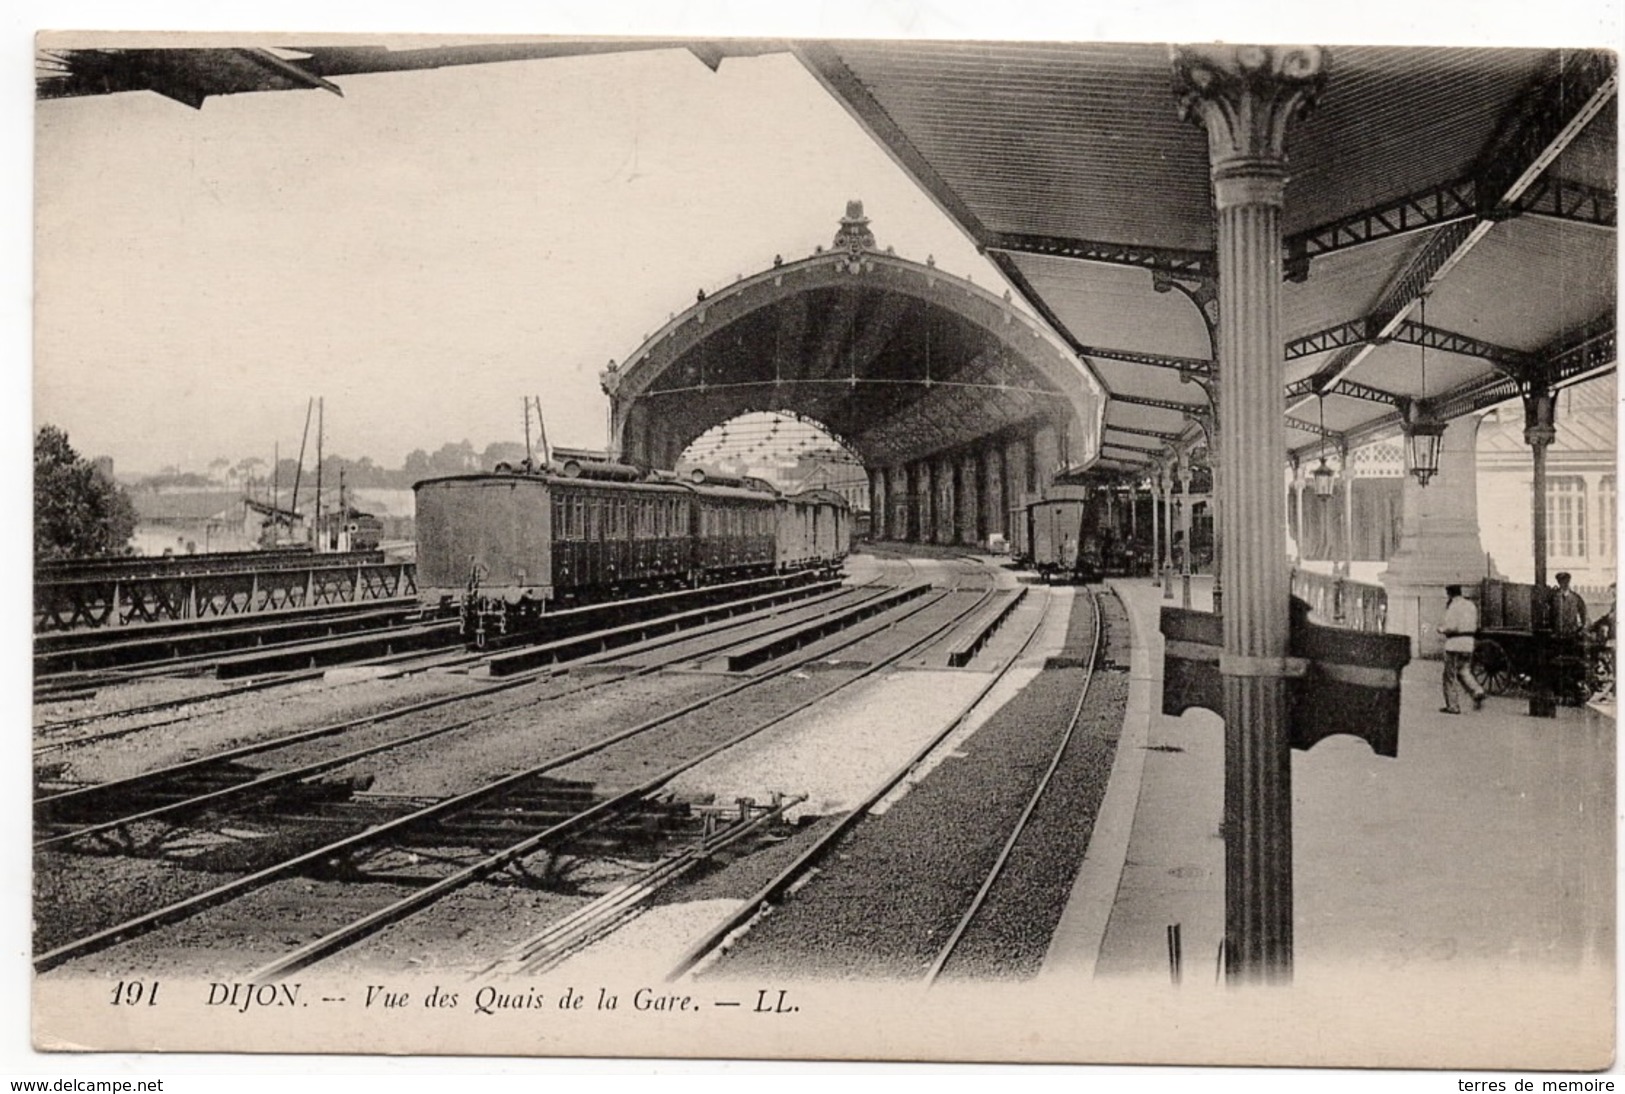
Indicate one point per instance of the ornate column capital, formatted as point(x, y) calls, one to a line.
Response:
point(1246, 97)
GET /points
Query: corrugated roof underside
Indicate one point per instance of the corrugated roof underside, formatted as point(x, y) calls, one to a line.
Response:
point(1345, 285)
point(1115, 307)
point(1593, 157)
point(1528, 282)
point(1052, 139)
point(1396, 121)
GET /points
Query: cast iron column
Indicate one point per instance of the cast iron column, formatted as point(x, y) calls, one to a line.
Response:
point(1156, 533)
point(1539, 431)
point(1346, 459)
point(1300, 538)
point(1218, 540)
point(1246, 97)
point(1167, 535)
point(1185, 529)
point(1346, 462)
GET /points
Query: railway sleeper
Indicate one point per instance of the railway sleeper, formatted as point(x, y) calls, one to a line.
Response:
point(771, 648)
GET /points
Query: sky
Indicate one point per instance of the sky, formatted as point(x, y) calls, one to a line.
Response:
point(434, 246)
point(425, 251)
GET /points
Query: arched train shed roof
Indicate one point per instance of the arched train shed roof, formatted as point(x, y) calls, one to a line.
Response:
point(897, 359)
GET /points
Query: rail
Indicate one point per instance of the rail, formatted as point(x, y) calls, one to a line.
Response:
point(74, 603)
point(1341, 602)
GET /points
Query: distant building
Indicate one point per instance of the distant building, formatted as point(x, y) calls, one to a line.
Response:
point(834, 470)
point(1582, 514)
point(266, 525)
point(189, 522)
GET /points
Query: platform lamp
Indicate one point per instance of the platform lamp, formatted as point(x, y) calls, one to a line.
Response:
point(1323, 475)
point(1424, 433)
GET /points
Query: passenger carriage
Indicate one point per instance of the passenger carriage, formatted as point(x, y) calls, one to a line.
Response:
point(510, 545)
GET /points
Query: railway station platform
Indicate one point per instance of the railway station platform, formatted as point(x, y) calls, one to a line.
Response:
point(1486, 846)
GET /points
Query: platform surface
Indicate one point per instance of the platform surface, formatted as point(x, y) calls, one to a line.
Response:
point(1486, 847)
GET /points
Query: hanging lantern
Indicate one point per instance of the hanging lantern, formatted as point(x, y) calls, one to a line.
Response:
point(1424, 434)
point(1323, 477)
point(1423, 439)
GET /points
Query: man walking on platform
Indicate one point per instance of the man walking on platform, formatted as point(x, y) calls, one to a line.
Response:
point(1459, 627)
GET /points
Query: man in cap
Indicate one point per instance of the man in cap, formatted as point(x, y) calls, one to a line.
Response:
point(1459, 627)
point(1568, 609)
point(1568, 626)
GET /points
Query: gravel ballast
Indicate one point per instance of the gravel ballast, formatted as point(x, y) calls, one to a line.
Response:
point(886, 899)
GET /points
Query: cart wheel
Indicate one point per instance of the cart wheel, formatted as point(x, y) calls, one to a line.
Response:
point(1492, 668)
point(1569, 673)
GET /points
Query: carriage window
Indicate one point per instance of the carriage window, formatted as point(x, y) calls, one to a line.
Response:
point(577, 519)
point(594, 520)
point(616, 511)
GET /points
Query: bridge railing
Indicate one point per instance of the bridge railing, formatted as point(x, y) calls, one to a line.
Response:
point(77, 603)
point(1341, 602)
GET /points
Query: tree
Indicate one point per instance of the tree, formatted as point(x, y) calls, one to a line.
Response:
point(455, 459)
point(78, 511)
point(503, 452)
point(417, 464)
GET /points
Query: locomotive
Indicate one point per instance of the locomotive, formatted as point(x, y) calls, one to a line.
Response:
point(508, 546)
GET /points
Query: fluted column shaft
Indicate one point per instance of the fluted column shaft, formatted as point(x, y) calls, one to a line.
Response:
point(1245, 97)
point(1258, 769)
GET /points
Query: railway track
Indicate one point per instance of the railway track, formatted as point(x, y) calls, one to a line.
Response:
point(441, 654)
point(171, 791)
point(419, 821)
point(827, 912)
point(776, 891)
point(74, 657)
point(984, 894)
